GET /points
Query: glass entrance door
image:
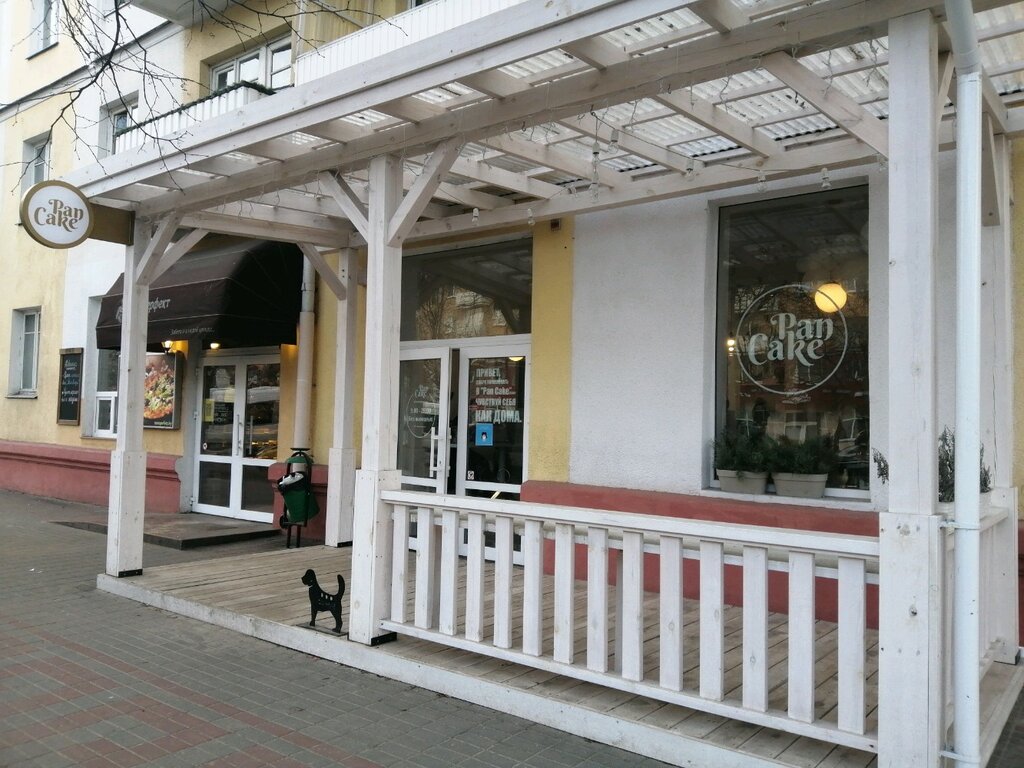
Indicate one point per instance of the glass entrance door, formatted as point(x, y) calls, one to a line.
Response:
point(462, 421)
point(424, 405)
point(237, 437)
point(492, 434)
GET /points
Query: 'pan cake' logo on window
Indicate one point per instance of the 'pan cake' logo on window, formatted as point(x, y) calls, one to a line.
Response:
point(792, 339)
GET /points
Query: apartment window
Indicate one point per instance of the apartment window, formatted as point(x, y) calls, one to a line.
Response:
point(24, 352)
point(44, 24)
point(36, 159)
point(114, 118)
point(270, 66)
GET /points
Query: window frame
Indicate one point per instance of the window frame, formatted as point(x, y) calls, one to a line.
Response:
point(717, 336)
point(16, 386)
point(265, 54)
point(36, 161)
point(45, 25)
point(108, 123)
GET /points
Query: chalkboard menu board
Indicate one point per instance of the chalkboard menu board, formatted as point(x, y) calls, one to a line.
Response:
point(69, 393)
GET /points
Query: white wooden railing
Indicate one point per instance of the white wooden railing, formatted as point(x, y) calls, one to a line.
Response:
point(178, 122)
point(391, 34)
point(501, 610)
point(997, 623)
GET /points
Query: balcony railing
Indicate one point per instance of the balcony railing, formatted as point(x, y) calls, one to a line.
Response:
point(177, 123)
point(391, 34)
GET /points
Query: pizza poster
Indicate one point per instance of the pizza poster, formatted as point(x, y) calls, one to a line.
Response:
point(160, 392)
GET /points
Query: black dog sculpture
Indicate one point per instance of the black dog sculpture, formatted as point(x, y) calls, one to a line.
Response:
point(322, 601)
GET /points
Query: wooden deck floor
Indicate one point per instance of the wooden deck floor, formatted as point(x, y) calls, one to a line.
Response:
point(261, 595)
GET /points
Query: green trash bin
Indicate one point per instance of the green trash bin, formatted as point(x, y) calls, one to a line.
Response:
point(300, 504)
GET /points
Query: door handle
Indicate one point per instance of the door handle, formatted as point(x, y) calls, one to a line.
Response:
point(241, 429)
point(434, 454)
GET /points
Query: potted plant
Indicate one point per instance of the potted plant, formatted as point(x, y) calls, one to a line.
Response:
point(801, 469)
point(741, 461)
point(947, 468)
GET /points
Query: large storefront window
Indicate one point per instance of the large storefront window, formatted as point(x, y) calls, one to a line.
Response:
point(468, 293)
point(793, 325)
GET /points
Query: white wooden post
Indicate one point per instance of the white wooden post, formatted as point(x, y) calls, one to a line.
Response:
point(341, 463)
point(127, 508)
point(999, 284)
point(910, 560)
point(372, 541)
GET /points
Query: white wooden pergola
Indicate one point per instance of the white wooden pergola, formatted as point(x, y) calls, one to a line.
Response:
point(549, 109)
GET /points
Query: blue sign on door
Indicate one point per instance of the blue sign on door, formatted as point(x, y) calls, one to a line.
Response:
point(485, 434)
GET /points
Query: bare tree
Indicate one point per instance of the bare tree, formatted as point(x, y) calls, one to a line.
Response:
point(113, 52)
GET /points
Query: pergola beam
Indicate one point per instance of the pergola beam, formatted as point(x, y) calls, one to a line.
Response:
point(720, 15)
point(178, 249)
point(833, 103)
point(347, 200)
point(150, 260)
point(691, 106)
point(323, 269)
point(419, 195)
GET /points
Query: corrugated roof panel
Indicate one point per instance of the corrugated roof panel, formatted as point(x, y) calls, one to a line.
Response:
point(666, 23)
point(668, 130)
point(707, 146)
point(538, 64)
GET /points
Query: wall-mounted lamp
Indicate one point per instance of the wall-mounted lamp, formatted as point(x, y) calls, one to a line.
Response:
point(730, 345)
point(214, 345)
point(516, 358)
point(167, 344)
point(830, 297)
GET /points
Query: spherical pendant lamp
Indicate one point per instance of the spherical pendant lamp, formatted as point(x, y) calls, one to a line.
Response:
point(830, 297)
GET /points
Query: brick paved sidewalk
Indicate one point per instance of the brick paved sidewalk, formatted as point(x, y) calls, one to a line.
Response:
point(89, 680)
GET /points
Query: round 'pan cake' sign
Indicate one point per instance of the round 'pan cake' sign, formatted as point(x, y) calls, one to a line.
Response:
point(791, 339)
point(56, 214)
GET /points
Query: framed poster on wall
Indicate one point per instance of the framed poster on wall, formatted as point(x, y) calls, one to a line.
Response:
point(162, 391)
point(69, 388)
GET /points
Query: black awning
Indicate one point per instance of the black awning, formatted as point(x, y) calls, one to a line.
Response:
point(244, 294)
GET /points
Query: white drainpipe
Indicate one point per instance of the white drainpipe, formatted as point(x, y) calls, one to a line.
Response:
point(967, 536)
point(304, 366)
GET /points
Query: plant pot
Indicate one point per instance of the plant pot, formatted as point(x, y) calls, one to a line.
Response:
point(742, 482)
point(801, 486)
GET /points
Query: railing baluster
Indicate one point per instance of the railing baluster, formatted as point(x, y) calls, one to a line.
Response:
point(399, 562)
point(852, 617)
point(449, 586)
point(503, 582)
point(616, 555)
point(632, 615)
point(426, 563)
point(533, 564)
point(670, 599)
point(565, 593)
point(801, 636)
point(475, 578)
point(712, 625)
point(755, 628)
point(597, 599)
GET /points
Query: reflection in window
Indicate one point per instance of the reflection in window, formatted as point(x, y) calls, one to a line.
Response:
point(471, 292)
point(793, 324)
